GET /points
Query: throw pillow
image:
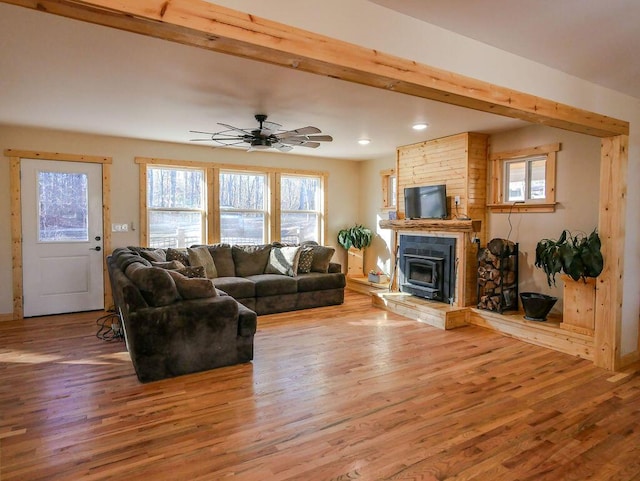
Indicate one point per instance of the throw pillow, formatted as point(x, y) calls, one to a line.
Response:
point(192, 271)
point(283, 260)
point(223, 259)
point(200, 256)
point(178, 255)
point(321, 258)
point(153, 255)
point(250, 260)
point(306, 259)
point(192, 288)
point(168, 265)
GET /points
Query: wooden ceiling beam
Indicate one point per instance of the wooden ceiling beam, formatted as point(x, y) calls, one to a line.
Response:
point(205, 25)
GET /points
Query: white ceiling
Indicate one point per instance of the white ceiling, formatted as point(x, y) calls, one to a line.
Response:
point(65, 74)
point(595, 40)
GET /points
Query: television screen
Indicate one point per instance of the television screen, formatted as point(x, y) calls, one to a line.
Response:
point(425, 202)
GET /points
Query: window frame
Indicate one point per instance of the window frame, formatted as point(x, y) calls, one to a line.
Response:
point(266, 207)
point(321, 204)
point(213, 201)
point(148, 210)
point(389, 201)
point(498, 163)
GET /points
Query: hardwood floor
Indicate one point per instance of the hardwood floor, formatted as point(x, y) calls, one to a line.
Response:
point(340, 393)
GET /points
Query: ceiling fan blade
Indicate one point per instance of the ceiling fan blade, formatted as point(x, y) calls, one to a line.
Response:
point(320, 138)
point(282, 147)
point(301, 131)
point(269, 128)
point(231, 127)
point(201, 132)
point(313, 145)
point(293, 140)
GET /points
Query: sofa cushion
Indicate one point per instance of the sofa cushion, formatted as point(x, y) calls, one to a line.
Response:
point(306, 259)
point(283, 260)
point(250, 260)
point(236, 287)
point(193, 288)
point(223, 259)
point(178, 255)
point(316, 281)
point(200, 256)
point(126, 258)
point(321, 258)
point(273, 284)
point(155, 284)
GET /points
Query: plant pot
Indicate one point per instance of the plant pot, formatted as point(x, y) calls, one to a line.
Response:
point(536, 306)
point(378, 278)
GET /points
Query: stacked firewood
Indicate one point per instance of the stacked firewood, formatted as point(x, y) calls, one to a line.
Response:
point(498, 276)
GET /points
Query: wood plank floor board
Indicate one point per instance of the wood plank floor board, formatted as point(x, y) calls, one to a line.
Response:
point(348, 392)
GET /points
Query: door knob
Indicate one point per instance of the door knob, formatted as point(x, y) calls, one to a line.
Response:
point(96, 248)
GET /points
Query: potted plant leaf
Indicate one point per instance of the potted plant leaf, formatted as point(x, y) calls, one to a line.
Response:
point(579, 257)
point(354, 240)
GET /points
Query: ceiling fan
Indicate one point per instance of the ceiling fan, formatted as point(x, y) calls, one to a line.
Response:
point(268, 135)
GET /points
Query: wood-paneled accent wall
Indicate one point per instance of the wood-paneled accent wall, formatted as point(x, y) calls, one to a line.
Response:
point(460, 162)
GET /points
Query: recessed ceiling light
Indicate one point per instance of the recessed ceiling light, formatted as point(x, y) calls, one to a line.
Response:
point(364, 141)
point(420, 126)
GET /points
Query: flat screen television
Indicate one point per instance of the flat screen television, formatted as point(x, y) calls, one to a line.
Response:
point(425, 202)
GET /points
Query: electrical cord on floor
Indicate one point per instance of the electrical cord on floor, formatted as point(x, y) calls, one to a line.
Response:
point(110, 327)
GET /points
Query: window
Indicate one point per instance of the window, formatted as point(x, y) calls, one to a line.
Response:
point(184, 202)
point(243, 207)
point(524, 180)
point(176, 210)
point(389, 188)
point(63, 218)
point(300, 208)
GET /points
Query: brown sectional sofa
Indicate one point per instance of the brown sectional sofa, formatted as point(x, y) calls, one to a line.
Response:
point(185, 311)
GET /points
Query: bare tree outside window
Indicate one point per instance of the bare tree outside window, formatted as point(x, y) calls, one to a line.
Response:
point(175, 206)
point(243, 207)
point(300, 208)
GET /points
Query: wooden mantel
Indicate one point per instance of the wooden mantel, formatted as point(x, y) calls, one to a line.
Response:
point(439, 225)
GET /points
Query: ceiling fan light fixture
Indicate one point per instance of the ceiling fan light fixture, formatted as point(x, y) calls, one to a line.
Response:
point(420, 126)
point(260, 144)
point(364, 141)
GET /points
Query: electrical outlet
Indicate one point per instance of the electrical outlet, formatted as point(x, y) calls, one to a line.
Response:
point(457, 200)
point(119, 227)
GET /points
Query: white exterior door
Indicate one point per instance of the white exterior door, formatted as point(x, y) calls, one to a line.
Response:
point(62, 232)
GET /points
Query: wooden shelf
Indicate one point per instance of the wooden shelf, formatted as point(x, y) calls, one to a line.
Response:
point(453, 225)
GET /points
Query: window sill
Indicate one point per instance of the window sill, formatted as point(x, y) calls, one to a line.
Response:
point(532, 207)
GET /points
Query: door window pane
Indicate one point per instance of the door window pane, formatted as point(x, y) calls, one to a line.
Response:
point(63, 207)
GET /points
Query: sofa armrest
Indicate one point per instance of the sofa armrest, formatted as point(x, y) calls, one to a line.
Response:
point(152, 327)
point(334, 267)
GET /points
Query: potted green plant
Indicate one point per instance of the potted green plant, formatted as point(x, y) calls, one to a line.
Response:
point(579, 257)
point(357, 236)
point(354, 240)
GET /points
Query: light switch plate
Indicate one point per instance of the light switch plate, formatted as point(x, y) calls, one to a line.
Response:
point(119, 227)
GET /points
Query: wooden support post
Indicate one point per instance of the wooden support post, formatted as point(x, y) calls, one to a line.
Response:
point(613, 198)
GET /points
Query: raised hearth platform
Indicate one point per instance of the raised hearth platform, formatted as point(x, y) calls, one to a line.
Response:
point(444, 316)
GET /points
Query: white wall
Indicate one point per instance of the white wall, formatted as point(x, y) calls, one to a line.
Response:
point(343, 198)
point(577, 185)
